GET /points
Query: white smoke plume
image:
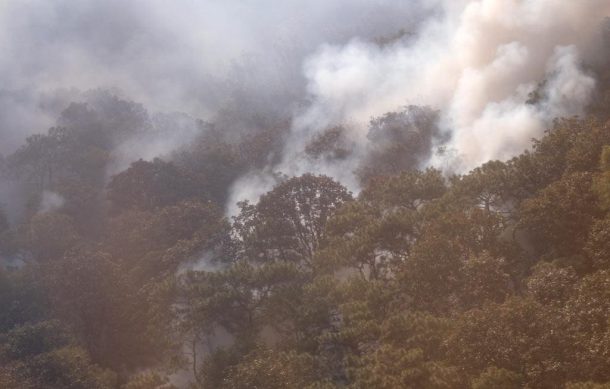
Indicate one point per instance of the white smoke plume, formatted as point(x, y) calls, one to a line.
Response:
point(317, 62)
point(476, 61)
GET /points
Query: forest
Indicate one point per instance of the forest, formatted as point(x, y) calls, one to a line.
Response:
point(498, 278)
point(266, 249)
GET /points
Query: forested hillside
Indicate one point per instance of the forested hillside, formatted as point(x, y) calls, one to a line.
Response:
point(319, 194)
point(498, 278)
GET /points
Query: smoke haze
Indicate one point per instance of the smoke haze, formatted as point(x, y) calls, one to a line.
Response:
point(180, 56)
point(477, 61)
point(317, 64)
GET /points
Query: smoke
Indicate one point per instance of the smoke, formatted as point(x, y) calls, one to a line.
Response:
point(186, 56)
point(498, 72)
point(164, 133)
point(24, 112)
point(205, 262)
point(50, 201)
point(250, 187)
point(476, 61)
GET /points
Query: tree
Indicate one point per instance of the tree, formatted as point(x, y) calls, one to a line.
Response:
point(39, 159)
point(519, 335)
point(331, 144)
point(235, 300)
point(601, 184)
point(560, 216)
point(587, 385)
point(213, 163)
point(157, 242)
point(550, 283)
point(360, 238)
point(148, 185)
point(494, 378)
point(458, 260)
point(22, 298)
point(270, 369)
point(488, 186)
point(587, 312)
point(375, 234)
point(407, 353)
point(216, 159)
point(485, 279)
point(123, 324)
point(410, 189)
point(51, 234)
point(598, 244)
point(287, 223)
point(43, 355)
point(151, 380)
point(400, 141)
point(5, 234)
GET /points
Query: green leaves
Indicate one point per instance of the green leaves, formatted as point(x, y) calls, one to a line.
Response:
point(45, 356)
point(288, 223)
point(559, 216)
point(147, 185)
point(493, 279)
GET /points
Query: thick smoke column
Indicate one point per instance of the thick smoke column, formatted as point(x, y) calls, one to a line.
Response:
point(476, 61)
point(479, 62)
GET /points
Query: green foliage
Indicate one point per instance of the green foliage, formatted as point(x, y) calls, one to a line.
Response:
point(494, 378)
point(288, 222)
point(587, 385)
point(268, 369)
point(148, 185)
point(601, 184)
point(330, 144)
point(408, 189)
point(587, 313)
point(121, 323)
point(489, 186)
point(51, 234)
point(391, 367)
point(598, 243)
point(149, 380)
point(559, 217)
point(519, 335)
point(498, 278)
point(44, 356)
point(215, 160)
point(551, 284)
point(160, 240)
point(21, 298)
point(400, 141)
